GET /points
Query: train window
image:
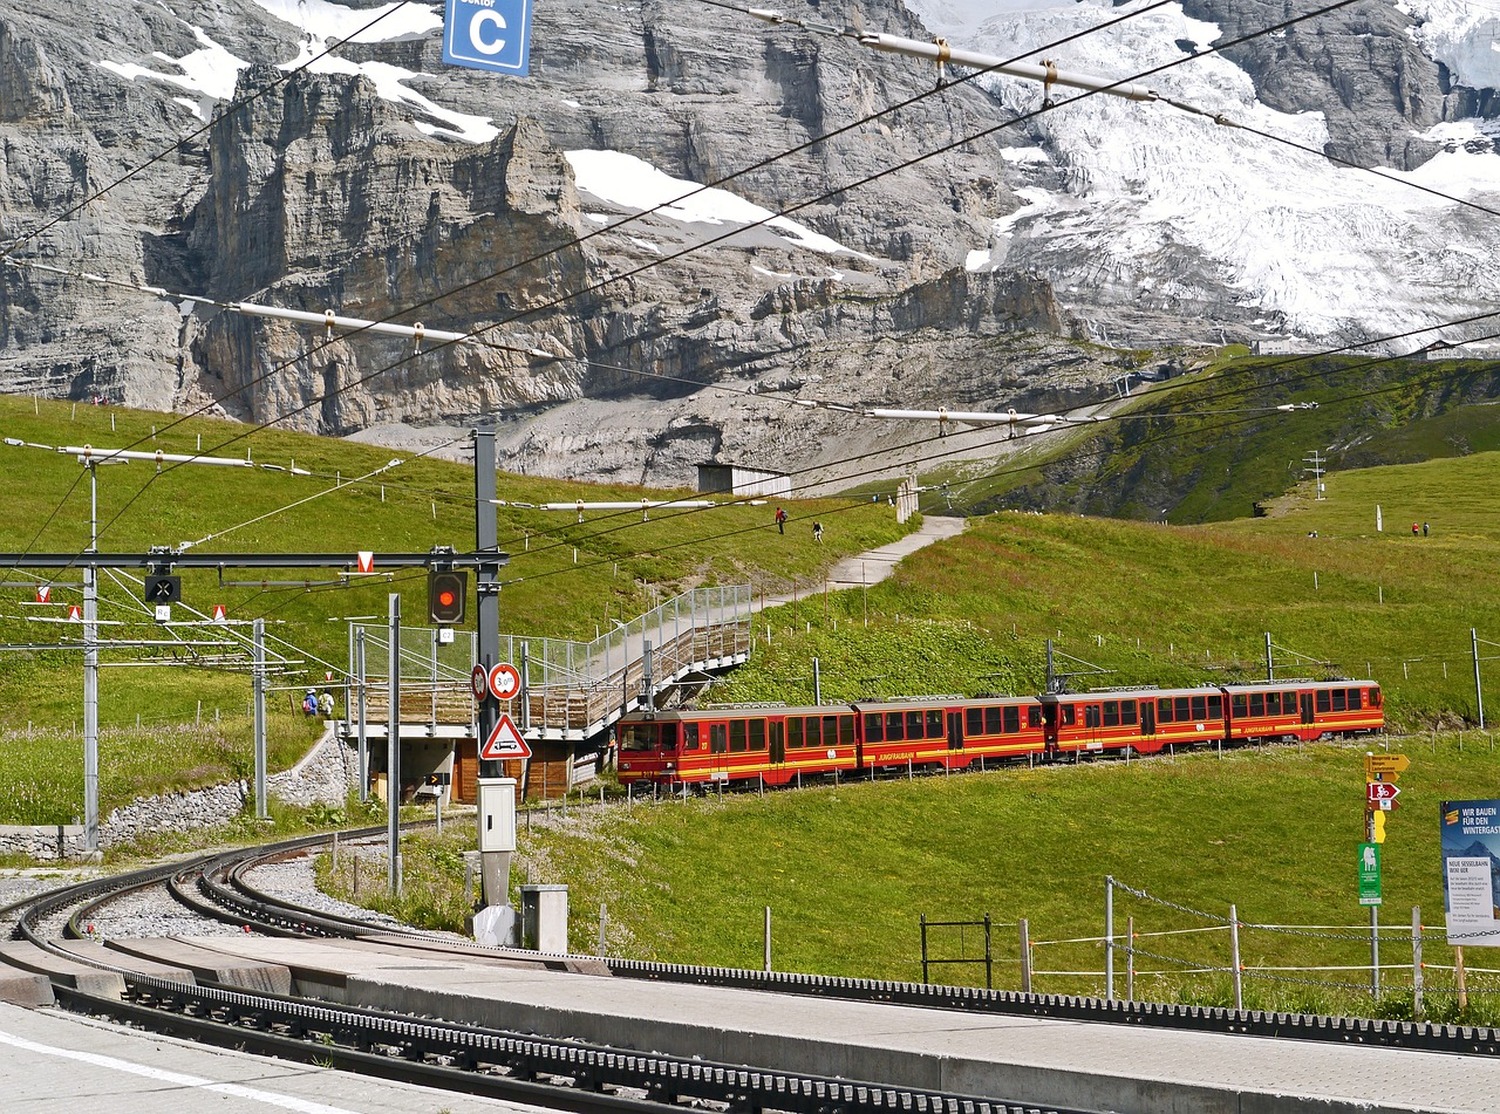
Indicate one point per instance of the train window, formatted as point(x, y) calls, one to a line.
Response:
point(974, 721)
point(874, 728)
point(737, 735)
point(1034, 716)
point(846, 731)
point(830, 731)
point(1180, 710)
point(1163, 711)
point(914, 725)
point(1257, 704)
point(814, 736)
point(1111, 713)
point(935, 723)
point(992, 721)
point(717, 735)
point(1215, 707)
point(895, 729)
point(1375, 698)
point(1012, 720)
point(1200, 707)
point(1323, 703)
point(1289, 703)
point(1340, 700)
point(689, 736)
point(1127, 712)
point(638, 736)
point(1091, 715)
point(794, 730)
point(1066, 713)
point(757, 734)
point(1354, 700)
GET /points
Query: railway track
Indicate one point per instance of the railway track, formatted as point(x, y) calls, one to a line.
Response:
point(522, 1067)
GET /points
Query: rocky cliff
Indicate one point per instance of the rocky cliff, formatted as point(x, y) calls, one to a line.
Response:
point(177, 146)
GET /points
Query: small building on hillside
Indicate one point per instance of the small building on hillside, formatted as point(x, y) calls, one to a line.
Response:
point(736, 479)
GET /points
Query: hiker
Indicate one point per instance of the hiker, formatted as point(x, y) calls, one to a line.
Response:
point(1424, 529)
point(325, 704)
point(310, 703)
point(780, 520)
point(818, 532)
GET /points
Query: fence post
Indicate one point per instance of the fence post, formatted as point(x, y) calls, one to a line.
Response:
point(767, 965)
point(1130, 959)
point(1109, 937)
point(924, 949)
point(1416, 963)
point(603, 921)
point(989, 967)
point(1234, 947)
point(1025, 927)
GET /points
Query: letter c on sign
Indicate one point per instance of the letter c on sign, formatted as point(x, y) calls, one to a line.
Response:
point(481, 17)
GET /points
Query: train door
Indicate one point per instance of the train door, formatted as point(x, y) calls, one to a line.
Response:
point(777, 729)
point(718, 751)
point(1148, 724)
point(1305, 704)
point(955, 731)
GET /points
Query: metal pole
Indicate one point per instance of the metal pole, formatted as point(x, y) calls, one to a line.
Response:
point(258, 629)
point(817, 683)
point(1025, 926)
point(1416, 962)
point(1374, 951)
point(1130, 959)
point(91, 681)
point(1234, 952)
point(1109, 937)
point(603, 922)
point(494, 865)
point(1270, 664)
point(924, 949)
point(989, 962)
point(364, 742)
point(766, 963)
point(393, 750)
point(1478, 691)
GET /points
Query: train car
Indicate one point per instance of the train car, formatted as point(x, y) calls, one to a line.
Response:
point(948, 731)
point(774, 745)
point(1145, 720)
point(1305, 710)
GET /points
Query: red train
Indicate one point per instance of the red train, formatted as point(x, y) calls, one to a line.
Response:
point(777, 744)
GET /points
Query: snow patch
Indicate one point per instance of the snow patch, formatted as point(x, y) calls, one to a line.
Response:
point(633, 183)
point(211, 72)
point(323, 21)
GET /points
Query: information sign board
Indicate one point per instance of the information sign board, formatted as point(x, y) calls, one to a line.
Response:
point(488, 35)
point(1369, 874)
point(1471, 882)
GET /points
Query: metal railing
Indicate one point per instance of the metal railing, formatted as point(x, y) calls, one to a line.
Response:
point(570, 690)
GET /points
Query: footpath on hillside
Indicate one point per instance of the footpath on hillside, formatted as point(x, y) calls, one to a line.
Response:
point(863, 569)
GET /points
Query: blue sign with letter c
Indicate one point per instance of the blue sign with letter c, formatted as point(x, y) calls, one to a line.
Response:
point(488, 35)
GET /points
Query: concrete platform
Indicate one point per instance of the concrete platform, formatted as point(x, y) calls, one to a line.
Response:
point(209, 964)
point(104, 953)
point(23, 955)
point(58, 1063)
point(1132, 1069)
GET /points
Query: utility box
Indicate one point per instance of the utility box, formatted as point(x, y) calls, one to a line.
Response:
point(544, 918)
point(497, 814)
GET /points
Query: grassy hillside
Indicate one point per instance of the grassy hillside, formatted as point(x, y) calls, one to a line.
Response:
point(1210, 457)
point(565, 578)
point(848, 872)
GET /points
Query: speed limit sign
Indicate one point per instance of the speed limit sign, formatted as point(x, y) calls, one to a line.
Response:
point(479, 682)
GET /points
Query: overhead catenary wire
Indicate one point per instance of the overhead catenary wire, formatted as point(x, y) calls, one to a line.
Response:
point(795, 208)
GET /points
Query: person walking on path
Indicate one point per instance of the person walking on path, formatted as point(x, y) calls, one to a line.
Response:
point(818, 532)
point(781, 520)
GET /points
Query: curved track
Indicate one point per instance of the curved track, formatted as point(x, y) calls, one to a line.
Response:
point(566, 1074)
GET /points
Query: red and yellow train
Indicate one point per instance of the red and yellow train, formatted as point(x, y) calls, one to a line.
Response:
point(776, 745)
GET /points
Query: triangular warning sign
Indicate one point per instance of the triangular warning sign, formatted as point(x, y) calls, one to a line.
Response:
point(366, 560)
point(75, 613)
point(504, 742)
point(220, 613)
point(43, 593)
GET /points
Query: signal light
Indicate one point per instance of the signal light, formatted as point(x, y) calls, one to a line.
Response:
point(447, 595)
point(163, 589)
